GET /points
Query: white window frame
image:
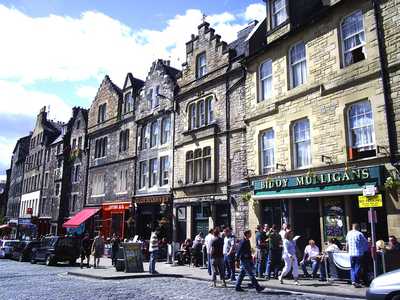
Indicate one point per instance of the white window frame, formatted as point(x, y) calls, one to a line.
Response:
point(164, 170)
point(261, 80)
point(273, 14)
point(366, 147)
point(263, 149)
point(153, 172)
point(201, 67)
point(291, 64)
point(294, 142)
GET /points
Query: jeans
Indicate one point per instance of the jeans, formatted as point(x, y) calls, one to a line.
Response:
point(209, 264)
point(218, 268)
point(152, 262)
point(260, 253)
point(355, 268)
point(273, 262)
point(229, 261)
point(314, 264)
point(246, 266)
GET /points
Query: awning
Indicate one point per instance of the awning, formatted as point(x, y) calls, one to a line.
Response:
point(80, 217)
point(309, 194)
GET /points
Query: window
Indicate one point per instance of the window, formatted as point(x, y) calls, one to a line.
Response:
point(353, 38)
point(266, 80)
point(43, 206)
point(78, 124)
point(46, 179)
point(144, 137)
point(98, 184)
point(164, 170)
point(150, 99)
point(298, 64)
point(128, 103)
point(73, 143)
point(302, 143)
point(153, 172)
point(156, 99)
point(76, 173)
point(201, 113)
point(124, 140)
point(122, 180)
point(165, 129)
point(207, 163)
point(100, 149)
point(143, 174)
point(57, 191)
point(101, 117)
point(267, 152)
point(154, 134)
point(201, 65)
point(197, 166)
point(80, 143)
point(189, 167)
point(361, 126)
point(279, 14)
point(74, 202)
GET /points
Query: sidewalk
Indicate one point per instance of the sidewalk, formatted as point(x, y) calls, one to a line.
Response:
point(107, 272)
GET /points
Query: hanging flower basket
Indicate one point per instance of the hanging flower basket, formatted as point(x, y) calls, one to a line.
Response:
point(246, 197)
point(392, 183)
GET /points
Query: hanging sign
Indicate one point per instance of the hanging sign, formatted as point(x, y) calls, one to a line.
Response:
point(370, 201)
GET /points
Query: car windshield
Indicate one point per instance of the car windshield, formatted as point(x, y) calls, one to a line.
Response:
point(50, 242)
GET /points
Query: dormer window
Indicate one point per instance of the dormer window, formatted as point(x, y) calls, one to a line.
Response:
point(128, 103)
point(278, 12)
point(201, 65)
point(101, 117)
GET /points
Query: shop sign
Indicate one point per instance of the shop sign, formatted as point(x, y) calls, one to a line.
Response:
point(152, 200)
point(369, 190)
point(341, 177)
point(117, 206)
point(24, 221)
point(370, 201)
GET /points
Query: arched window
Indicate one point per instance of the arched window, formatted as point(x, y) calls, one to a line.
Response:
point(265, 80)
point(302, 143)
point(298, 64)
point(361, 126)
point(268, 152)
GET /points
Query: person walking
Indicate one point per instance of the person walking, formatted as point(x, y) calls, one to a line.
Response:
point(115, 244)
point(217, 258)
point(357, 246)
point(229, 253)
point(97, 250)
point(260, 250)
point(153, 249)
point(290, 258)
point(85, 250)
point(311, 257)
point(243, 255)
point(207, 241)
point(274, 252)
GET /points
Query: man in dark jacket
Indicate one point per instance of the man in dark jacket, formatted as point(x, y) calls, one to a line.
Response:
point(85, 250)
point(243, 254)
point(115, 243)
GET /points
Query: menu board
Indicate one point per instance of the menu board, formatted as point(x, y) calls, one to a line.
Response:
point(133, 257)
point(334, 220)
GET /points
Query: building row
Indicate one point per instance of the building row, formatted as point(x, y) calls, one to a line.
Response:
point(288, 123)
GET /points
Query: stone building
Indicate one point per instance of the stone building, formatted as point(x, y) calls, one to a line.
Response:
point(112, 142)
point(43, 135)
point(155, 119)
point(316, 118)
point(209, 132)
point(19, 155)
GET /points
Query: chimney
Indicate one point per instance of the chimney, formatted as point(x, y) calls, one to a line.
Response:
point(42, 116)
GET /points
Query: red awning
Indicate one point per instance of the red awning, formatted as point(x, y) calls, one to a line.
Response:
point(80, 217)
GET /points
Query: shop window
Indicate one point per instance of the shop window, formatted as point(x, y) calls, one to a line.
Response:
point(143, 174)
point(302, 144)
point(201, 65)
point(361, 130)
point(153, 172)
point(268, 152)
point(265, 75)
point(164, 170)
point(353, 38)
point(153, 134)
point(101, 116)
point(278, 12)
point(165, 130)
point(298, 64)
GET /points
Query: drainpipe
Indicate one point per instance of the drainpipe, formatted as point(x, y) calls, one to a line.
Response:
point(385, 80)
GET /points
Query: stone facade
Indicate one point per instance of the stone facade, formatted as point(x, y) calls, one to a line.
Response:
point(324, 100)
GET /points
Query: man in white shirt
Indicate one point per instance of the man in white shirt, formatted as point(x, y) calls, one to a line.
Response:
point(207, 241)
point(229, 254)
point(311, 257)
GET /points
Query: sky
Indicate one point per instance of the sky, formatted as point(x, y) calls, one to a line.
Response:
point(56, 53)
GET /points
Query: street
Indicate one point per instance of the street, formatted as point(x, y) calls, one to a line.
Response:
point(26, 281)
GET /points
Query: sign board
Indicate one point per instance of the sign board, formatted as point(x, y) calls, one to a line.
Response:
point(370, 201)
point(29, 211)
point(133, 257)
point(369, 190)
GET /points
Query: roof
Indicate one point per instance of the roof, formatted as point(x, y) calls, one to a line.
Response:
point(240, 44)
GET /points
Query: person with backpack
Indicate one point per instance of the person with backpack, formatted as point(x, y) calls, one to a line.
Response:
point(274, 252)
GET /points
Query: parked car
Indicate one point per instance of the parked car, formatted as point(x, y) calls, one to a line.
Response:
point(57, 249)
point(22, 251)
point(6, 247)
point(385, 287)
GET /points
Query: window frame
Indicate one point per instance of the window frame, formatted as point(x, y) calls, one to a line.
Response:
point(101, 115)
point(165, 134)
point(349, 130)
point(143, 170)
point(189, 166)
point(154, 134)
point(291, 73)
point(261, 79)
point(200, 67)
point(263, 149)
point(273, 14)
point(164, 170)
point(153, 172)
point(294, 142)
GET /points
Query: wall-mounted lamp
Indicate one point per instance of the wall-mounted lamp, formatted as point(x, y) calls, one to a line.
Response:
point(326, 159)
point(281, 167)
point(382, 150)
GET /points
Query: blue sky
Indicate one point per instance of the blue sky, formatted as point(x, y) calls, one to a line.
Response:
point(57, 52)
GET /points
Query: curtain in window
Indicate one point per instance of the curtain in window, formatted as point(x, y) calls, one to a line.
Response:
point(192, 110)
point(209, 108)
point(361, 126)
point(268, 159)
point(302, 143)
point(278, 12)
point(266, 80)
point(299, 64)
point(189, 167)
point(207, 163)
point(353, 35)
point(198, 166)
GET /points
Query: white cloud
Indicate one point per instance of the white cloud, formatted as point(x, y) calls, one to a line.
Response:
point(87, 92)
point(6, 148)
point(255, 11)
point(15, 99)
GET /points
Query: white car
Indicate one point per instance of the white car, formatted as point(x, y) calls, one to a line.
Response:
point(385, 287)
point(6, 247)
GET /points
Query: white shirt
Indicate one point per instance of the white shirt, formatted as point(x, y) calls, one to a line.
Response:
point(282, 233)
point(229, 242)
point(312, 252)
point(208, 240)
point(332, 248)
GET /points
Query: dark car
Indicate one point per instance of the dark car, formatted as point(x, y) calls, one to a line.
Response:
point(57, 249)
point(22, 250)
